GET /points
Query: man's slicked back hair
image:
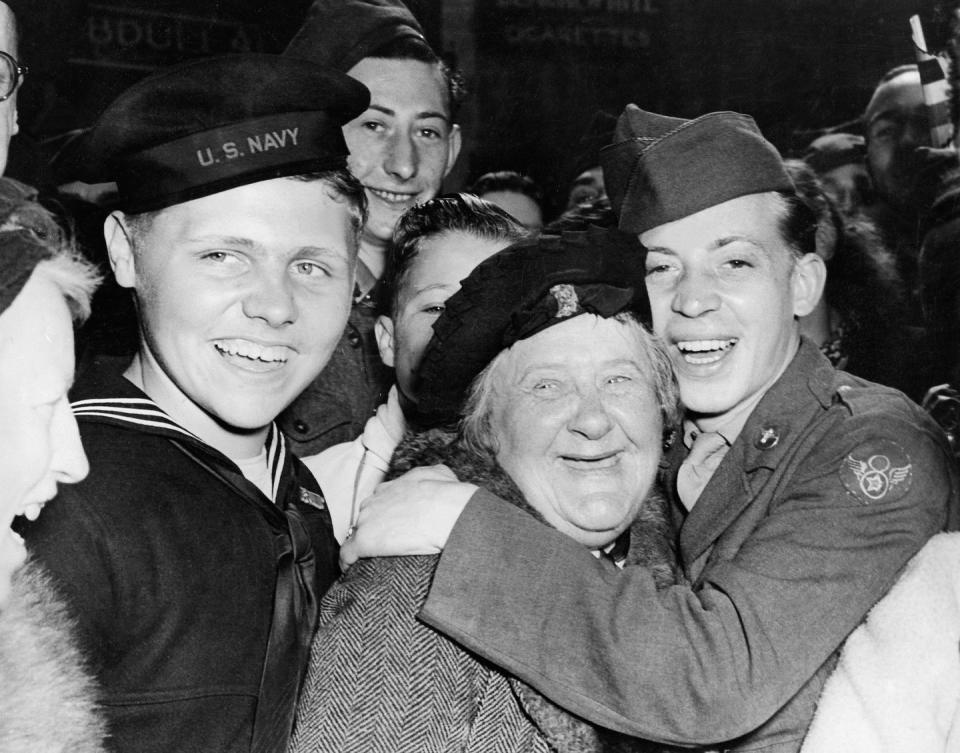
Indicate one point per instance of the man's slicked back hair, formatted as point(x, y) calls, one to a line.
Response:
point(798, 224)
point(411, 48)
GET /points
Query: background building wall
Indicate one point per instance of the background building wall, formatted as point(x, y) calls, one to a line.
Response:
point(539, 70)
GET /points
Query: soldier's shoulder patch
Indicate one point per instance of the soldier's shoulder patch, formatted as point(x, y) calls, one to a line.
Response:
point(877, 471)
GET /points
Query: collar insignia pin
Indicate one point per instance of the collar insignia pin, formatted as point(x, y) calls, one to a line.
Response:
point(313, 499)
point(768, 439)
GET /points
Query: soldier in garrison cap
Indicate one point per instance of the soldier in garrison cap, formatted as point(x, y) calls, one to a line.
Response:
point(195, 552)
point(401, 148)
point(800, 491)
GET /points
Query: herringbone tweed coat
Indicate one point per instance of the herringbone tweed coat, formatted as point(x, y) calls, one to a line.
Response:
point(380, 680)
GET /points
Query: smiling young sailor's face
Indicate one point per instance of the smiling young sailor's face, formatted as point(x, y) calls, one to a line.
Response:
point(242, 296)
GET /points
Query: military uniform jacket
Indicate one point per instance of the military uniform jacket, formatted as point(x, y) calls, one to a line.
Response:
point(170, 559)
point(833, 484)
point(335, 407)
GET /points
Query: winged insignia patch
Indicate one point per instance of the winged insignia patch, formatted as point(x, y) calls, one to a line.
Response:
point(877, 471)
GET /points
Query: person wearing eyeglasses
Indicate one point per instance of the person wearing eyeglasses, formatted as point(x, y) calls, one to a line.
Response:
point(11, 76)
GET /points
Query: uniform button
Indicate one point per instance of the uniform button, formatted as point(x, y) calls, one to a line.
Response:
point(300, 426)
point(767, 439)
point(354, 339)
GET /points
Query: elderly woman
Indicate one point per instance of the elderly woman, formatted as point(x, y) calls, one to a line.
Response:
point(565, 401)
point(46, 698)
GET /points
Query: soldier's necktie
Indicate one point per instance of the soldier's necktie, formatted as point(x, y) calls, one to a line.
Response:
point(705, 455)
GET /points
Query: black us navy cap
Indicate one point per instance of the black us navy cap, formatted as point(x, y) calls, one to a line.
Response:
point(213, 124)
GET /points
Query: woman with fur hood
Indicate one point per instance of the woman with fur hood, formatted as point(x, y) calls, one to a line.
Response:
point(575, 441)
point(46, 696)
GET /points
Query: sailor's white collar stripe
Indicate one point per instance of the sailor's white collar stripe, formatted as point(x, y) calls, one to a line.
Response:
point(276, 456)
point(137, 411)
point(161, 422)
point(144, 413)
point(80, 409)
point(117, 401)
point(132, 406)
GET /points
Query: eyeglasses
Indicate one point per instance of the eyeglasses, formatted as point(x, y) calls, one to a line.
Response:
point(11, 72)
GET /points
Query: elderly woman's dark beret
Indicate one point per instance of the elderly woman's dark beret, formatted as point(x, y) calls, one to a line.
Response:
point(519, 292)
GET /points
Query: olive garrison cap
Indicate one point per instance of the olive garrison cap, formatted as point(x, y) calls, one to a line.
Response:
point(660, 169)
point(213, 124)
point(518, 292)
point(341, 33)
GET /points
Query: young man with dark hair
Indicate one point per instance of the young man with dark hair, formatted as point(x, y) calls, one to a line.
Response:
point(195, 552)
point(401, 148)
point(436, 245)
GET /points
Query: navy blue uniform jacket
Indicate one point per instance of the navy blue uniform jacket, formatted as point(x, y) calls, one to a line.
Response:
point(170, 566)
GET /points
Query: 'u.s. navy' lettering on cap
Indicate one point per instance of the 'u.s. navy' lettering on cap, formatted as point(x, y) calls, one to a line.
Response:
point(250, 149)
point(230, 150)
point(217, 123)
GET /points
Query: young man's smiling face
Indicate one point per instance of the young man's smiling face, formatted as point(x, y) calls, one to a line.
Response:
point(403, 145)
point(725, 289)
point(242, 296)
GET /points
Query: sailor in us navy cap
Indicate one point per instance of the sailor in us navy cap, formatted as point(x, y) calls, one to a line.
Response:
point(195, 552)
point(800, 491)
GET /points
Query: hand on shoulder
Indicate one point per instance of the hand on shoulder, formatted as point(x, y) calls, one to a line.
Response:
point(412, 514)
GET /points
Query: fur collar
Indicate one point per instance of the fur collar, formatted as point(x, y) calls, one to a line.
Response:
point(47, 699)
